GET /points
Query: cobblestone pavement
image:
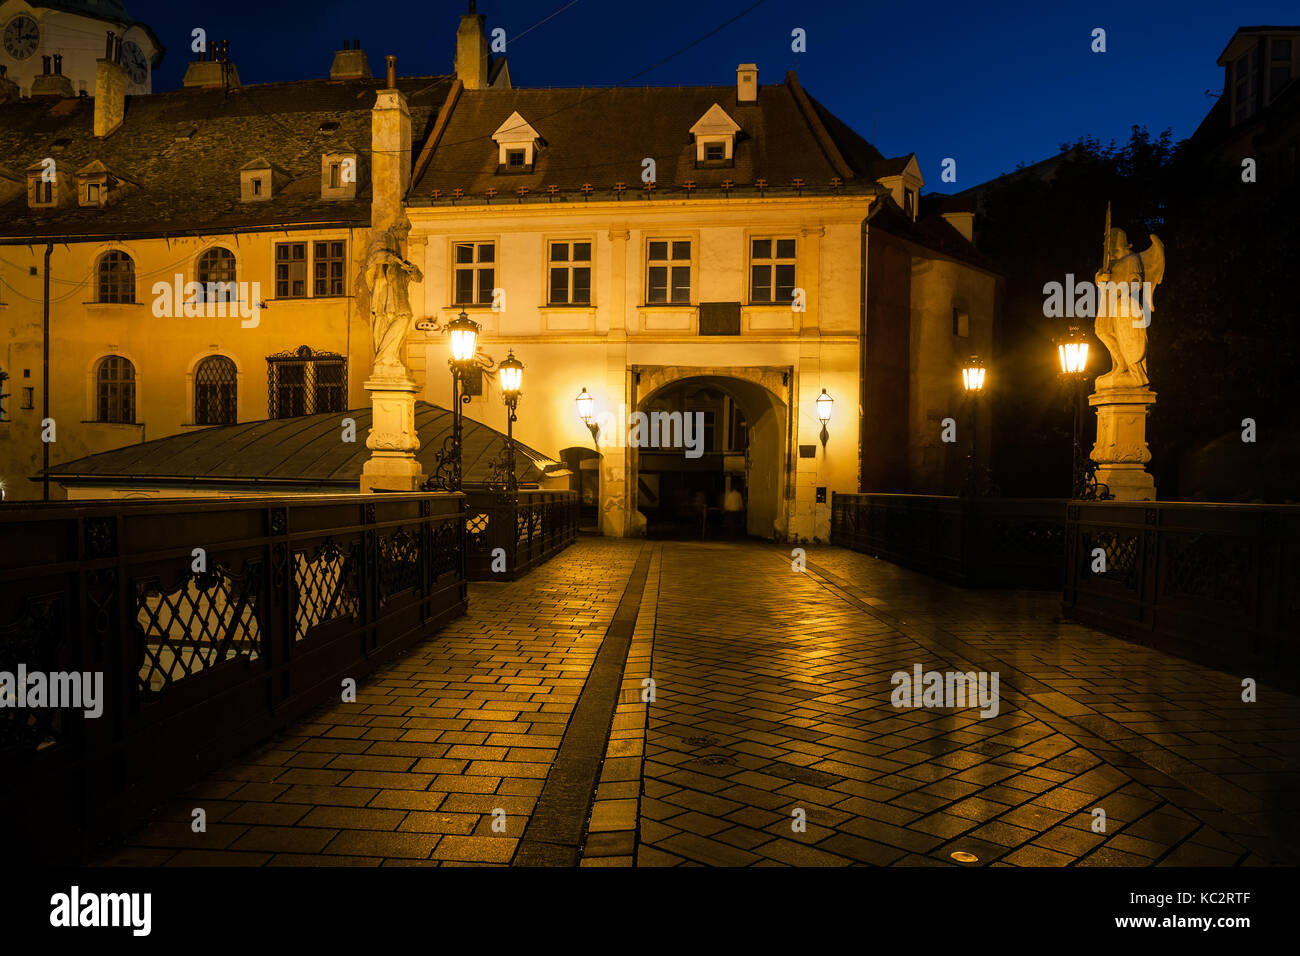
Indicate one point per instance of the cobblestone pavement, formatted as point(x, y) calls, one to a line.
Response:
point(741, 692)
point(773, 696)
point(466, 723)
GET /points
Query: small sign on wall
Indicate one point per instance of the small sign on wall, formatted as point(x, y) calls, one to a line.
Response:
point(807, 451)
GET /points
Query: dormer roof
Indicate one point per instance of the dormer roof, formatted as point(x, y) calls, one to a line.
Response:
point(715, 122)
point(515, 129)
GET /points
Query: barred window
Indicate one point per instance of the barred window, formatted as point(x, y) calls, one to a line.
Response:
point(327, 261)
point(115, 385)
point(306, 383)
point(116, 277)
point(771, 271)
point(217, 266)
point(215, 400)
point(570, 273)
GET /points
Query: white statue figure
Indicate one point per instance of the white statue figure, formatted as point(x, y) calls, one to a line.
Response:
point(1124, 302)
point(386, 274)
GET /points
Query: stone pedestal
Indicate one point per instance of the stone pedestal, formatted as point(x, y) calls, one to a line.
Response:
point(392, 441)
point(1121, 449)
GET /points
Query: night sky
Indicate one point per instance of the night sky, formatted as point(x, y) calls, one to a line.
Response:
point(989, 84)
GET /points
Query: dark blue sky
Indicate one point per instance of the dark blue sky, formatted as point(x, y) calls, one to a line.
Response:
point(989, 84)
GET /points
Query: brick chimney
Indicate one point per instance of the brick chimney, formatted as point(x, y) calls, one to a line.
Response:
point(110, 89)
point(747, 83)
point(472, 60)
point(390, 152)
point(350, 63)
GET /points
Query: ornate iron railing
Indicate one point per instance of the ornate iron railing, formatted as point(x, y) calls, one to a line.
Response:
point(508, 534)
point(214, 623)
point(1218, 583)
point(974, 542)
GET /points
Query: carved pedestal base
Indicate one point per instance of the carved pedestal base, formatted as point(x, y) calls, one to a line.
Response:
point(392, 465)
point(1121, 450)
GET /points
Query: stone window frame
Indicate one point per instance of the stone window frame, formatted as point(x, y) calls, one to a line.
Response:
point(569, 264)
point(771, 262)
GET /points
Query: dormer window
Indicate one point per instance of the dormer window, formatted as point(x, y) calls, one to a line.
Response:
point(517, 145)
point(44, 192)
point(258, 180)
point(42, 185)
point(93, 184)
point(338, 174)
point(715, 138)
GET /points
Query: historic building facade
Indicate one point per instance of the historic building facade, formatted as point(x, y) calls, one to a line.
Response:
point(727, 253)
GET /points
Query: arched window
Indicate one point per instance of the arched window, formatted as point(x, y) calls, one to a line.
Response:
point(216, 276)
point(214, 392)
point(116, 277)
point(115, 390)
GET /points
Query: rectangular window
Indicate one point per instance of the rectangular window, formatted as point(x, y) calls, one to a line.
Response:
point(44, 192)
point(475, 268)
point(715, 152)
point(335, 179)
point(1279, 73)
point(771, 271)
point(515, 158)
point(668, 272)
point(290, 270)
point(960, 323)
point(92, 193)
point(331, 386)
point(257, 187)
point(570, 266)
point(327, 263)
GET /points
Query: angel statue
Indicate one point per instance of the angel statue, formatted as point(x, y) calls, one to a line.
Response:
point(1124, 302)
point(385, 276)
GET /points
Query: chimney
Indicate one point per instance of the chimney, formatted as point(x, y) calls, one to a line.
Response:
point(472, 50)
point(350, 64)
point(110, 93)
point(391, 78)
point(51, 82)
point(747, 83)
point(390, 152)
point(213, 72)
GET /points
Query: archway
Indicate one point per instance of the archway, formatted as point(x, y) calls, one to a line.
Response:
point(743, 446)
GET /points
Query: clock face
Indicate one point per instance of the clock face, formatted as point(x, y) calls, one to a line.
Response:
point(137, 67)
point(22, 37)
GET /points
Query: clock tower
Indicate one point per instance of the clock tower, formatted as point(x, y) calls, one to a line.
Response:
point(31, 30)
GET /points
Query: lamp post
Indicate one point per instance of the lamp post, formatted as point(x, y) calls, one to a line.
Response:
point(824, 405)
point(462, 333)
point(512, 378)
point(1072, 350)
point(972, 381)
point(585, 411)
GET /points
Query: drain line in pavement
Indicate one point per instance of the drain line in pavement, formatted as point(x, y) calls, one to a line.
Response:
point(558, 825)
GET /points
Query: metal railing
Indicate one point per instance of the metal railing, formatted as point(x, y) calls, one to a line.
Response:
point(214, 624)
point(507, 535)
point(974, 542)
point(1217, 583)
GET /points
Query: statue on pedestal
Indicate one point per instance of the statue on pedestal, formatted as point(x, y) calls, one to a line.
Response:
point(1125, 287)
point(385, 276)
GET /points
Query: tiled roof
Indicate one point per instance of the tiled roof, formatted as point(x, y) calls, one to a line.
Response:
point(192, 184)
point(291, 451)
point(602, 136)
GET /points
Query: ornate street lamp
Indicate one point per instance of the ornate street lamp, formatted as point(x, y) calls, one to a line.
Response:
point(511, 372)
point(972, 380)
point(824, 404)
point(1072, 350)
point(585, 411)
point(462, 333)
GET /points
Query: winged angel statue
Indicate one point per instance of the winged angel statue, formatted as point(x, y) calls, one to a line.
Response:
point(1124, 303)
